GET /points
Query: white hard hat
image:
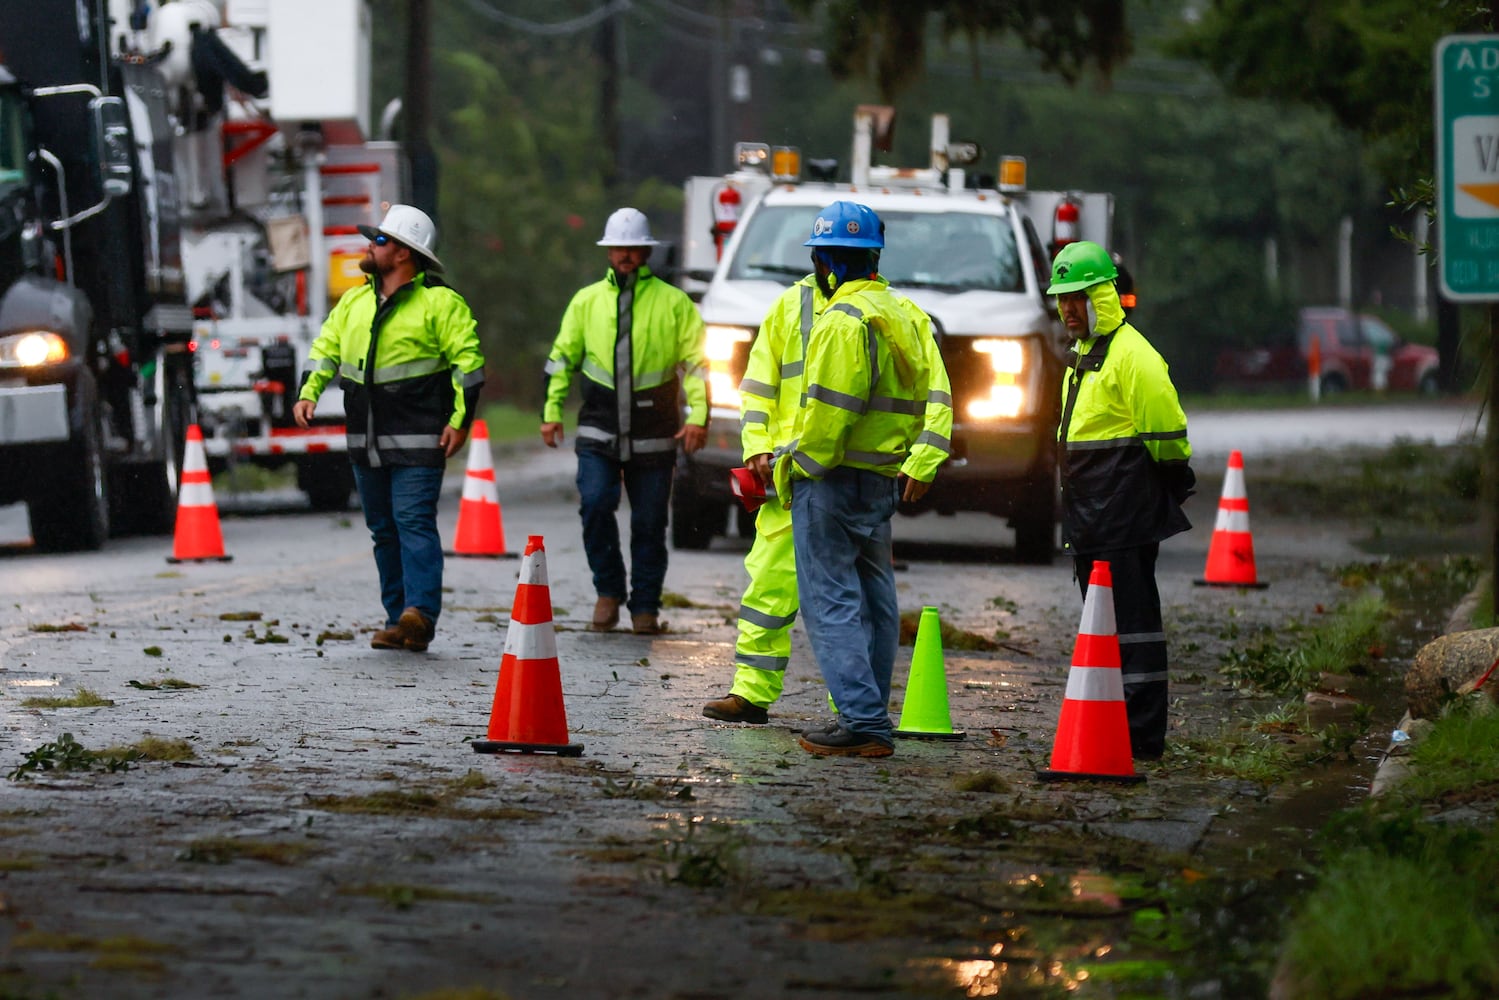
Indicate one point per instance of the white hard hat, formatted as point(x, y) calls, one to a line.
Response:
point(412, 227)
point(628, 227)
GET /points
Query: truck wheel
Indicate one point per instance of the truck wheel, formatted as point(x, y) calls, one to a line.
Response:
point(1332, 385)
point(328, 482)
point(745, 521)
point(72, 511)
point(144, 495)
point(694, 519)
point(1035, 541)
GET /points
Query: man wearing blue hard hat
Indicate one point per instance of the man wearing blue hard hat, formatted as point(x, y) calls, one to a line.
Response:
point(866, 379)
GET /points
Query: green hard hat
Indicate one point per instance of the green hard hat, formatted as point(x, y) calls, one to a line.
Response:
point(1080, 265)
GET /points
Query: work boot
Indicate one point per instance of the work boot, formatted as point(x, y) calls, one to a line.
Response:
point(646, 624)
point(732, 708)
point(841, 742)
point(605, 614)
point(416, 630)
point(388, 638)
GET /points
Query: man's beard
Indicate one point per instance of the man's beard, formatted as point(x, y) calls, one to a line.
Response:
point(369, 266)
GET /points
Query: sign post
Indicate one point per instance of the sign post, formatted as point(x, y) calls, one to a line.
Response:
point(1467, 175)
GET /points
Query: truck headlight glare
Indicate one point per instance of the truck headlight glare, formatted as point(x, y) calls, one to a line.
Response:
point(33, 348)
point(1007, 356)
point(720, 345)
point(1002, 401)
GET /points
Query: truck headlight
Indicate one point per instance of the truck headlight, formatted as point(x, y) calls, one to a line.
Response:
point(1006, 396)
point(721, 348)
point(32, 348)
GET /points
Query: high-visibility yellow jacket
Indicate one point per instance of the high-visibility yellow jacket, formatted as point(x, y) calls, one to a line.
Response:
point(770, 391)
point(866, 377)
point(408, 366)
point(639, 345)
point(1123, 438)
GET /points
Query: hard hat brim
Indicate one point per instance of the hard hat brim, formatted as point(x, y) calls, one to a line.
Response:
point(856, 242)
point(1063, 287)
point(628, 243)
point(370, 232)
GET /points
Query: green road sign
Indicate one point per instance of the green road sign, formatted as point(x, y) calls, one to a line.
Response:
point(1467, 123)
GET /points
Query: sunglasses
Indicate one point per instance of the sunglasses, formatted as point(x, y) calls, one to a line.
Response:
point(381, 240)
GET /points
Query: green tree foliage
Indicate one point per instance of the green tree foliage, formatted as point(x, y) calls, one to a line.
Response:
point(1367, 62)
point(521, 193)
point(885, 40)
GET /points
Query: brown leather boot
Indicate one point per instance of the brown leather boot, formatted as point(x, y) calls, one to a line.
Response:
point(605, 614)
point(646, 624)
point(416, 630)
point(388, 638)
point(733, 708)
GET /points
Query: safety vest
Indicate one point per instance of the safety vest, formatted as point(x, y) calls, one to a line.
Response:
point(770, 391)
point(866, 380)
point(1122, 431)
point(639, 344)
point(408, 366)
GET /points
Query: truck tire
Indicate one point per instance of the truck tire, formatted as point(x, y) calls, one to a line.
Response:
point(72, 511)
point(1035, 540)
point(328, 482)
point(144, 495)
point(694, 519)
point(744, 520)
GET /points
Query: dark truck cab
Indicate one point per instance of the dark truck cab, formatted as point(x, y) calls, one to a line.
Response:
point(95, 376)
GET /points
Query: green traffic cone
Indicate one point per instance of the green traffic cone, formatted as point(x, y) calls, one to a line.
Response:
point(925, 715)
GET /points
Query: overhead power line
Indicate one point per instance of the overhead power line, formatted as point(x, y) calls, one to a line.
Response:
point(554, 28)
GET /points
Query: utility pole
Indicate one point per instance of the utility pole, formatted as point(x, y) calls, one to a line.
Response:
point(608, 53)
point(417, 105)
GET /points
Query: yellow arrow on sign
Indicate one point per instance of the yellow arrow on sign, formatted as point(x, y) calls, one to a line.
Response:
point(1487, 193)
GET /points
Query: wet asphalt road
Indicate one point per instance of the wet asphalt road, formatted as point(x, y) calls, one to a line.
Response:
point(252, 870)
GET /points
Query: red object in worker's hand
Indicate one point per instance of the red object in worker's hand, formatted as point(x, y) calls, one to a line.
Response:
point(748, 488)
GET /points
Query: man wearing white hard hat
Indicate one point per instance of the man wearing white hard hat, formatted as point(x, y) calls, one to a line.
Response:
point(406, 352)
point(638, 342)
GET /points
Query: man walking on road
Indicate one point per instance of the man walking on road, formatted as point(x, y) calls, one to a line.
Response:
point(407, 355)
point(770, 395)
point(1124, 457)
point(866, 380)
point(639, 343)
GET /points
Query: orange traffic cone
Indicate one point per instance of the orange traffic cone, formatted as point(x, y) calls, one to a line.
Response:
point(198, 537)
point(528, 716)
point(1231, 552)
point(1092, 741)
point(481, 529)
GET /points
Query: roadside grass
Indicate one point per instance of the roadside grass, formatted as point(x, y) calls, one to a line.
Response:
point(67, 754)
point(1293, 660)
point(1409, 484)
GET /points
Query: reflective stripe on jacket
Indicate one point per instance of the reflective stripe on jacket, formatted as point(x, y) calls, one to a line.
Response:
point(1124, 434)
point(630, 409)
point(409, 367)
point(770, 392)
point(866, 381)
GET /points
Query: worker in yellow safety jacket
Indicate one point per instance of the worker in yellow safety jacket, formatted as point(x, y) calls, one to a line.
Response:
point(770, 394)
point(1124, 459)
point(406, 353)
point(866, 378)
point(638, 343)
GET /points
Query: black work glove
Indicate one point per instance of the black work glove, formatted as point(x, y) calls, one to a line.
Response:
point(1180, 481)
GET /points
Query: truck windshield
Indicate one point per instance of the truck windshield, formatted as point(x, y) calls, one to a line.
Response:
point(950, 251)
point(12, 138)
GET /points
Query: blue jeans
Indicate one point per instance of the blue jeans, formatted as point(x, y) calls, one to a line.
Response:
point(841, 526)
point(649, 487)
point(400, 509)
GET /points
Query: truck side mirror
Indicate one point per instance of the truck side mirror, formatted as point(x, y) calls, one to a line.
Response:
point(112, 146)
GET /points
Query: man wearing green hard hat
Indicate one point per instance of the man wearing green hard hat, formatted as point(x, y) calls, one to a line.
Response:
point(1123, 453)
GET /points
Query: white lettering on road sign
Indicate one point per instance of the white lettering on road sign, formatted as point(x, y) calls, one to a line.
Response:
point(1475, 166)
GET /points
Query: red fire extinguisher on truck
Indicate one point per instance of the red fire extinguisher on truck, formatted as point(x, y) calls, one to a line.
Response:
point(1065, 225)
point(726, 204)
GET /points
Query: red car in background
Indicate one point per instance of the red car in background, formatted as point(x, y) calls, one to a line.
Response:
point(1351, 347)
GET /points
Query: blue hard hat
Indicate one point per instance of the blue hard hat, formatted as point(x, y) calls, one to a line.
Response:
point(847, 224)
